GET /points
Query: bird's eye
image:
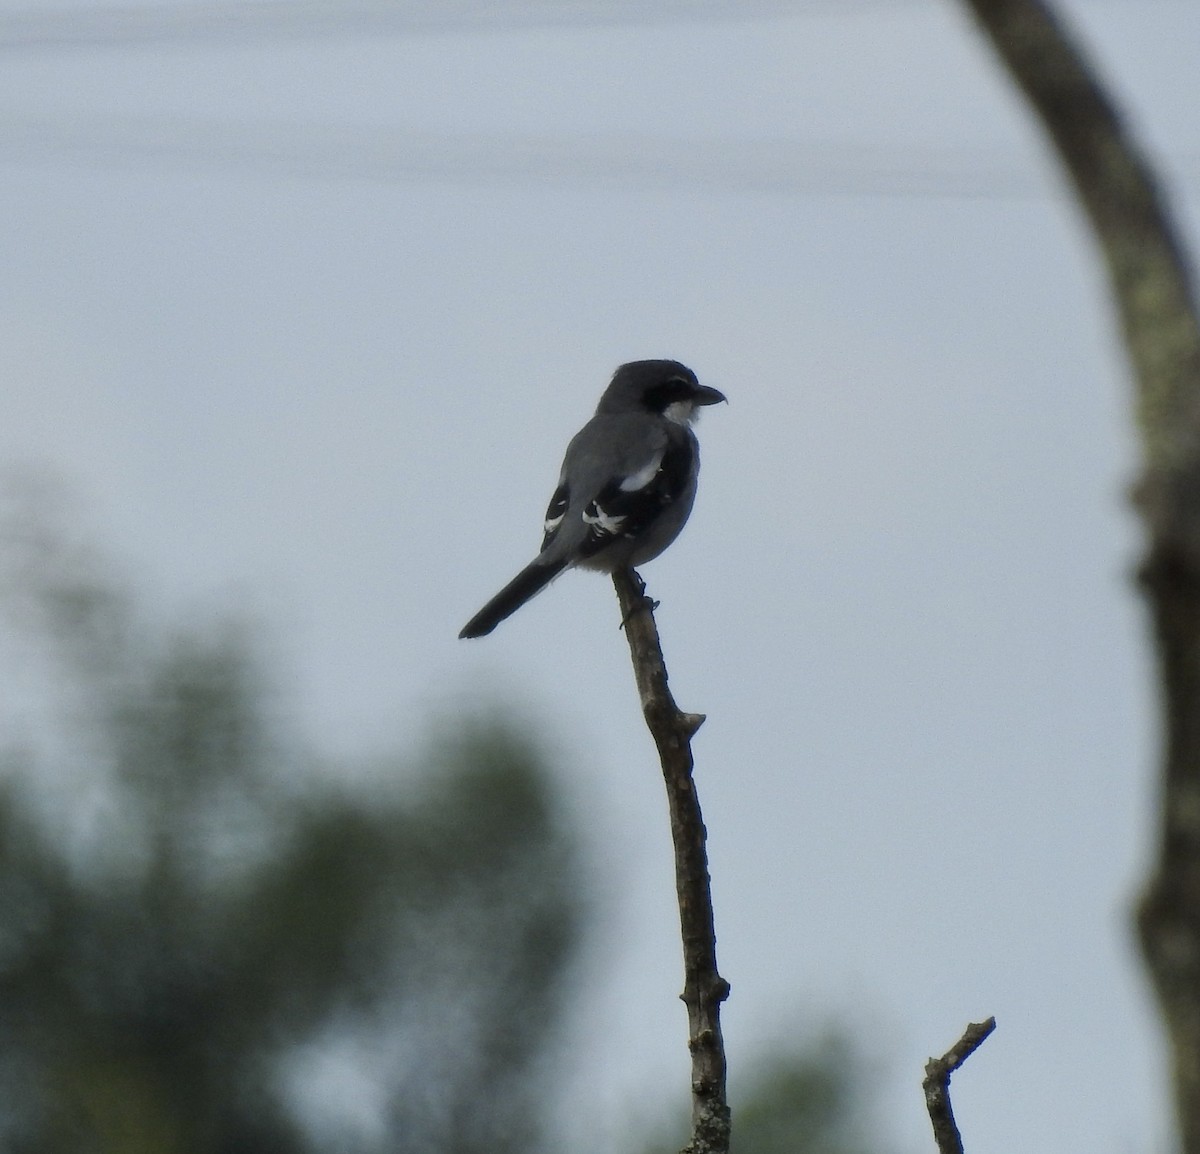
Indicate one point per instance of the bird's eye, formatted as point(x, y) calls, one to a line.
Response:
point(673, 389)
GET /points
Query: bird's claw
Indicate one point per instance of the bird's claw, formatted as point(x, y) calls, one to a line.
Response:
point(644, 603)
point(648, 604)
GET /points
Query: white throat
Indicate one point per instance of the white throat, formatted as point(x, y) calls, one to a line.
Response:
point(681, 412)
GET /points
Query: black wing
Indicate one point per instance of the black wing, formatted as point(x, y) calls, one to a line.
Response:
point(555, 511)
point(626, 506)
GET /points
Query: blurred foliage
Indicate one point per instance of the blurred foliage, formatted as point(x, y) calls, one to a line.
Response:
point(207, 947)
point(810, 1097)
point(809, 1101)
point(195, 931)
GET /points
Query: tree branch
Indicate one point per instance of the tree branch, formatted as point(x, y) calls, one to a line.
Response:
point(1155, 300)
point(937, 1085)
point(703, 987)
point(1117, 188)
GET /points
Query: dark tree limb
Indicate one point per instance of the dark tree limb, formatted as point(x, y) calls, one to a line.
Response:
point(1154, 297)
point(703, 987)
point(937, 1085)
point(1116, 187)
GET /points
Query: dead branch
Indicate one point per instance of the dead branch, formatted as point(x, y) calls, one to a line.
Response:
point(703, 987)
point(1154, 298)
point(937, 1085)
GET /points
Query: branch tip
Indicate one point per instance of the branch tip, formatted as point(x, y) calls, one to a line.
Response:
point(937, 1085)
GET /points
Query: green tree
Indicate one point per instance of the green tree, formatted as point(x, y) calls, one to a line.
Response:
point(192, 919)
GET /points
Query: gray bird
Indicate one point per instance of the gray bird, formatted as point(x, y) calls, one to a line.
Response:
point(626, 487)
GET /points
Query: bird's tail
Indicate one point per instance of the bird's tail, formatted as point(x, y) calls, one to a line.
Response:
point(526, 584)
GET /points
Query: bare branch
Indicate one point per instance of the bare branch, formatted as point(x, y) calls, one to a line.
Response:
point(937, 1085)
point(703, 987)
point(1155, 299)
point(1127, 210)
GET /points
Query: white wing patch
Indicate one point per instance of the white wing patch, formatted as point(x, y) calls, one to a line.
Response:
point(555, 513)
point(602, 523)
point(644, 476)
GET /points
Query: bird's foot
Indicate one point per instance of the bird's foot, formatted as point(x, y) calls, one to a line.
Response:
point(645, 603)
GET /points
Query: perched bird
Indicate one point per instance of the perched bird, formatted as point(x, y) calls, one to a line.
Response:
point(626, 487)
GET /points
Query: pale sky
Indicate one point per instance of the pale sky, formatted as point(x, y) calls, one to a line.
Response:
point(305, 312)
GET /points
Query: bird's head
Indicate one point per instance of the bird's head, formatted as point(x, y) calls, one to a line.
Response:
point(665, 388)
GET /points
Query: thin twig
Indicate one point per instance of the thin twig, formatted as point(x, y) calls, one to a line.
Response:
point(703, 987)
point(937, 1085)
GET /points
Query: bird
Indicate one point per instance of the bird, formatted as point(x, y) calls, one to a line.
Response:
point(626, 487)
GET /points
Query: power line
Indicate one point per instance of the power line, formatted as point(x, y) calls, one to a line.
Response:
point(245, 20)
point(205, 21)
point(620, 160)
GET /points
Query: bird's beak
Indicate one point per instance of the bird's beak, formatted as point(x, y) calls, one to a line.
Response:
point(706, 396)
